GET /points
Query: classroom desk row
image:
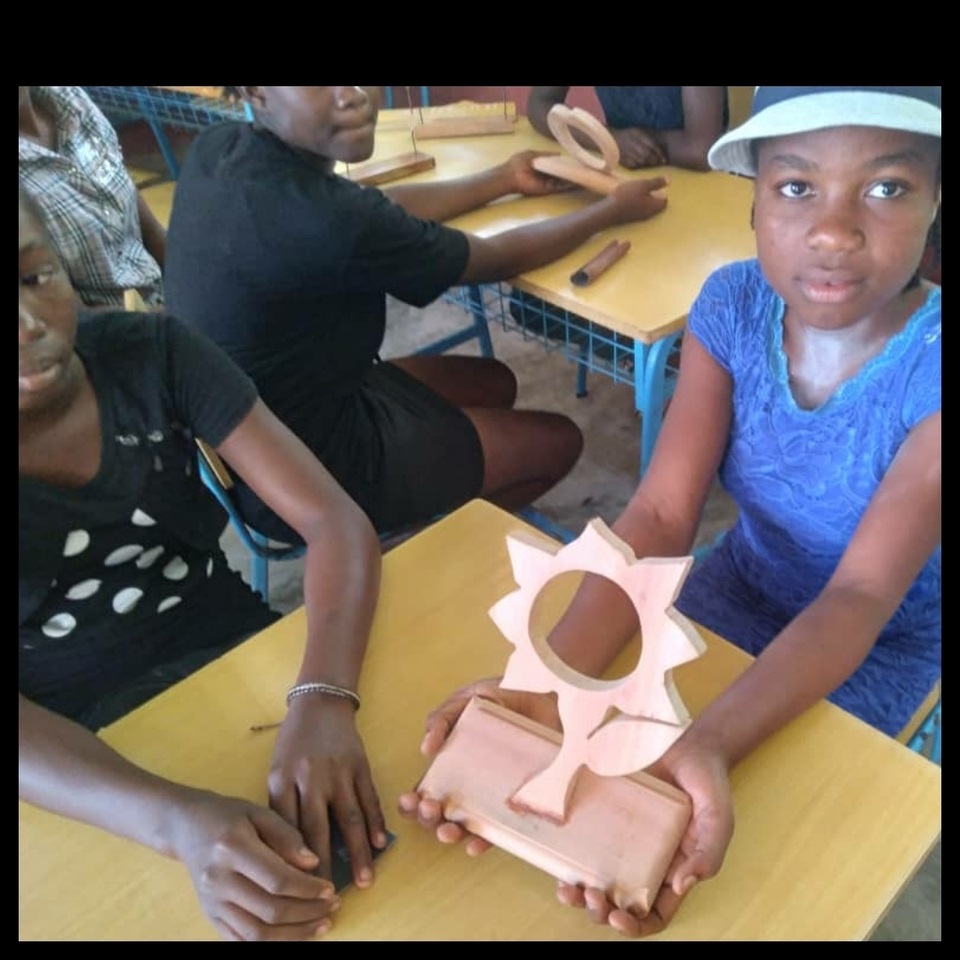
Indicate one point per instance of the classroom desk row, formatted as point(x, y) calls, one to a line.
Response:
point(627, 323)
point(833, 818)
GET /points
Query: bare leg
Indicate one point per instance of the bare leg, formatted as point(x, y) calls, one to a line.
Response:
point(525, 452)
point(464, 381)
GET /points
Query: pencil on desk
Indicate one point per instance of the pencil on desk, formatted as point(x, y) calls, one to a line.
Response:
point(602, 262)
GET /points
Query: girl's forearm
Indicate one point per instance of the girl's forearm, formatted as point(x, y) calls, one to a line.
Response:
point(811, 657)
point(67, 770)
point(446, 199)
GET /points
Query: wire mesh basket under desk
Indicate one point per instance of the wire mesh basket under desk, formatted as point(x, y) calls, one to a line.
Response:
point(186, 111)
point(163, 107)
point(592, 346)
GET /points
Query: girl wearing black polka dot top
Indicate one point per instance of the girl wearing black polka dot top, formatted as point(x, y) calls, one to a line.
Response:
point(124, 590)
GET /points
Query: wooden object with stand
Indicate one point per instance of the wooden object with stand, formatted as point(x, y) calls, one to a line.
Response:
point(463, 127)
point(465, 120)
point(580, 165)
point(402, 165)
point(524, 787)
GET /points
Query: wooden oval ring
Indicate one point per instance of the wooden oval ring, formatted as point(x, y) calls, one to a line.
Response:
point(561, 118)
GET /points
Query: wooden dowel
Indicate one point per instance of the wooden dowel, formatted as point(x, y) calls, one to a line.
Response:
point(602, 262)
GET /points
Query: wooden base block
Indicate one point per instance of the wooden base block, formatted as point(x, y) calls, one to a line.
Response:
point(566, 168)
point(393, 168)
point(463, 127)
point(620, 834)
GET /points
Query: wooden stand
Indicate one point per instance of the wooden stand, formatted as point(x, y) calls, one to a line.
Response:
point(463, 127)
point(575, 805)
point(462, 119)
point(390, 169)
point(621, 833)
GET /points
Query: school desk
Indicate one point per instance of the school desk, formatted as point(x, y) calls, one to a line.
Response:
point(645, 298)
point(833, 818)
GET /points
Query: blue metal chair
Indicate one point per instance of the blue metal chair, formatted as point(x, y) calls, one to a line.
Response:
point(218, 481)
point(550, 527)
point(262, 550)
point(926, 740)
point(471, 299)
point(388, 97)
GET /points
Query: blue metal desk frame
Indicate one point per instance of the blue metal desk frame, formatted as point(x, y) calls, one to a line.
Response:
point(650, 368)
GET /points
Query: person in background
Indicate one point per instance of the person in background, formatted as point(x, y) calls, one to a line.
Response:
point(651, 125)
point(71, 163)
point(811, 380)
point(124, 590)
point(287, 266)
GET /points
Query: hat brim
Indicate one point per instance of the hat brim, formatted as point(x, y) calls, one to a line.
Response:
point(734, 152)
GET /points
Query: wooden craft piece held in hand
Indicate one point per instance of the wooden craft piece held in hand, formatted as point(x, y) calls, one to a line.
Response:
point(524, 788)
point(580, 165)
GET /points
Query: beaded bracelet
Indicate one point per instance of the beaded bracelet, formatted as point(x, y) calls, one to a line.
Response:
point(329, 688)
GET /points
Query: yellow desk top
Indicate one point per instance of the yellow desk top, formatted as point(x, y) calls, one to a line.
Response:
point(833, 817)
point(648, 294)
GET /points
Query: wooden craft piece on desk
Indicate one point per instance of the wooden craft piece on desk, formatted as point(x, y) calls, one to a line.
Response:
point(524, 788)
point(392, 168)
point(398, 118)
point(463, 127)
point(580, 165)
point(473, 123)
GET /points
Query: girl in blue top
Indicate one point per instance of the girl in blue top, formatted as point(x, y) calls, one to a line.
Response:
point(810, 379)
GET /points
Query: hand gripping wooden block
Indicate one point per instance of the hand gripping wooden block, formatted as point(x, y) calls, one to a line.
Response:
point(575, 805)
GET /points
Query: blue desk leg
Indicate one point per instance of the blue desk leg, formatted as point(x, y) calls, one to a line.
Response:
point(388, 97)
point(582, 367)
point(480, 323)
point(478, 330)
point(650, 366)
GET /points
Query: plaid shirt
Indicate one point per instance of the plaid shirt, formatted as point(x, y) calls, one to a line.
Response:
point(89, 201)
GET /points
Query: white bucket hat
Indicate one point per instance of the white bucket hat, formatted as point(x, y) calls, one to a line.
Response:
point(782, 111)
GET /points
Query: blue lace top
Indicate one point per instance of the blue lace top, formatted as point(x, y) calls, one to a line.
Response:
point(659, 108)
point(656, 108)
point(802, 479)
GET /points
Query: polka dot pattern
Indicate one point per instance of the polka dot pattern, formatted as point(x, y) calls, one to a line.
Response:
point(59, 625)
point(123, 570)
point(77, 541)
point(123, 554)
point(83, 590)
point(149, 557)
point(140, 519)
point(176, 569)
point(127, 599)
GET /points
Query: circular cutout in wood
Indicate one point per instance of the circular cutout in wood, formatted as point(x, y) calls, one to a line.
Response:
point(561, 118)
